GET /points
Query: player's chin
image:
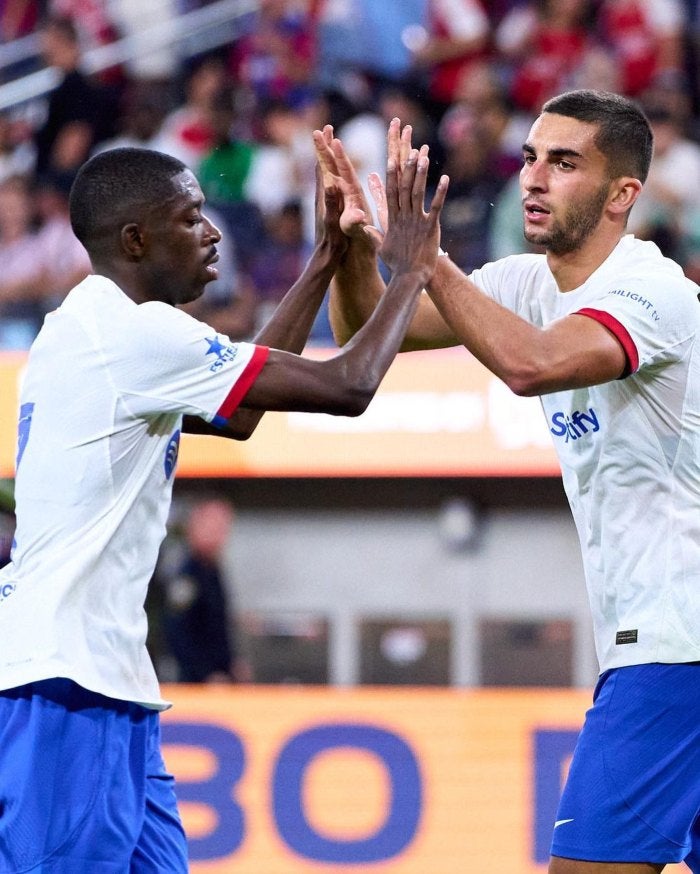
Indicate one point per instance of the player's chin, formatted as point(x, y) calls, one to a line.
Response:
point(536, 237)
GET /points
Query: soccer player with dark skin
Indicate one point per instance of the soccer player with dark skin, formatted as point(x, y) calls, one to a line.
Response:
point(112, 373)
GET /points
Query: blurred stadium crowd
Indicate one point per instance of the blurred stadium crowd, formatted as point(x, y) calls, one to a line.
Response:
point(469, 75)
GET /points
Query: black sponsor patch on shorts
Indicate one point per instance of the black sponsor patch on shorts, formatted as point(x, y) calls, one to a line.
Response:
point(626, 636)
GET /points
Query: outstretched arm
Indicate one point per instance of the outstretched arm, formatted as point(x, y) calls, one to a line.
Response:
point(572, 352)
point(290, 324)
point(357, 284)
point(345, 384)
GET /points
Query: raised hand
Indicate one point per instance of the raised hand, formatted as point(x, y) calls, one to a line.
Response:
point(328, 203)
point(412, 237)
point(398, 149)
point(337, 170)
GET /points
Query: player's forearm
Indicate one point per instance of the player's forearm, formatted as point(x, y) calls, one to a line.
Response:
point(368, 355)
point(345, 384)
point(509, 346)
point(356, 289)
point(290, 324)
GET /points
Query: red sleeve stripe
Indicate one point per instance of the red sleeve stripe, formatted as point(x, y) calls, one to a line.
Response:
point(621, 334)
point(244, 382)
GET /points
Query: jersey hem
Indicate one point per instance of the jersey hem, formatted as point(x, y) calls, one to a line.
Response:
point(157, 704)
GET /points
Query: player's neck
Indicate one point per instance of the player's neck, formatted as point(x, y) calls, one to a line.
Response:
point(572, 269)
point(122, 276)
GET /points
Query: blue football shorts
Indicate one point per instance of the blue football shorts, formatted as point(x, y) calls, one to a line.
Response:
point(83, 787)
point(633, 789)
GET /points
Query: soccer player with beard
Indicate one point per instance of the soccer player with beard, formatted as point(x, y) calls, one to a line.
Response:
point(605, 329)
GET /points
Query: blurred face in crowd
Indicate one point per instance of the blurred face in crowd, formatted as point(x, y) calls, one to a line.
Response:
point(206, 82)
point(564, 183)
point(15, 211)
point(567, 13)
point(209, 527)
point(59, 46)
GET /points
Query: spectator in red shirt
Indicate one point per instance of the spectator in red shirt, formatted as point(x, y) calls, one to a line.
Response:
point(189, 131)
point(17, 18)
point(457, 36)
point(646, 39)
point(544, 41)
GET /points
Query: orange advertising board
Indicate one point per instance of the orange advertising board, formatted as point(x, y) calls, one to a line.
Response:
point(10, 369)
point(436, 414)
point(294, 780)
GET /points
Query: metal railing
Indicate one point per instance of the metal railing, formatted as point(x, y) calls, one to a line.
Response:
point(194, 32)
point(19, 50)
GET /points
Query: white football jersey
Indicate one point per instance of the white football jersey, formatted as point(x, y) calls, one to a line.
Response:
point(629, 449)
point(101, 405)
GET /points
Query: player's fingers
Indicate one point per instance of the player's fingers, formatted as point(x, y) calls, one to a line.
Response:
point(333, 200)
point(319, 188)
point(405, 145)
point(343, 164)
point(393, 140)
point(438, 200)
point(378, 192)
point(392, 189)
point(419, 183)
point(375, 234)
point(348, 190)
point(407, 180)
point(324, 156)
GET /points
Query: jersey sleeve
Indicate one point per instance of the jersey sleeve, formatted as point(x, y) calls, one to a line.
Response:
point(651, 311)
point(172, 363)
point(653, 322)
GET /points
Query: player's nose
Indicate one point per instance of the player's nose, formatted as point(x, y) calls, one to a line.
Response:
point(213, 232)
point(533, 176)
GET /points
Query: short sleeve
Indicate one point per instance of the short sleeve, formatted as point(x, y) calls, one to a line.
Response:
point(172, 363)
point(652, 321)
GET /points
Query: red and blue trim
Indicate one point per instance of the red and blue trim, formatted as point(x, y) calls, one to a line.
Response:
point(242, 385)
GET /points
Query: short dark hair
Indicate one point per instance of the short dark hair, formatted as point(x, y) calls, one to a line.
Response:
point(624, 134)
point(117, 186)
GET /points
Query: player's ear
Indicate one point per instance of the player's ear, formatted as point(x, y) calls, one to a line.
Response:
point(624, 191)
point(132, 240)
